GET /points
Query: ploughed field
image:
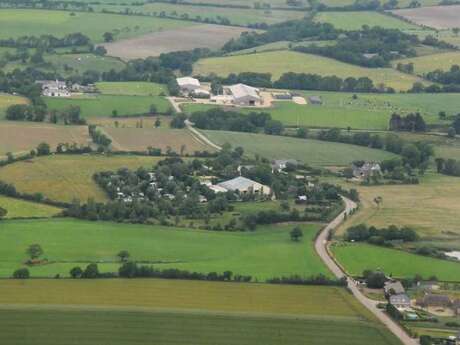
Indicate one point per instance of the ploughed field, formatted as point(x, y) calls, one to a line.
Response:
point(437, 17)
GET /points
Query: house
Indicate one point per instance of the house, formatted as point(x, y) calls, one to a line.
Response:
point(370, 55)
point(366, 170)
point(53, 88)
point(400, 301)
point(315, 100)
point(217, 188)
point(393, 288)
point(188, 84)
point(434, 300)
point(90, 88)
point(281, 164)
point(202, 199)
point(244, 185)
point(244, 95)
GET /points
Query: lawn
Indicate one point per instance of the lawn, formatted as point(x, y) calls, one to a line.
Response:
point(313, 152)
point(265, 253)
point(104, 105)
point(7, 100)
point(21, 209)
point(65, 177)
point(132, 88)
point(25, 22)
point(355, 20)
point(279, 62)
point(430, 63)
point(358, 257)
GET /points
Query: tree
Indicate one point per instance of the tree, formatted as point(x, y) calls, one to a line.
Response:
point(157, 122)
point(374, 280)
point(76, 272)
point(91, 271)
point(3, 212)
point(123, 255)
point(153, 109)
point(34, 251)
point(296, 234)
point(108, 37)
point(43, 149)
point(451, 132)
point(21, 273)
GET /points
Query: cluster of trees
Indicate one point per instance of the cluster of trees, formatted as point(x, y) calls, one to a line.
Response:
point(26, 112)
point(383, 236)
point(418, 87)
point(410, 123)
point(374, 279)
point(47, 41)
point(448, 166)
point(220, 119)
point(319, 279)
point(98, 137)
point(445, 77)
point(90, 272)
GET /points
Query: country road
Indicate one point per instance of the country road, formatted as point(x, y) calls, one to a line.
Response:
point(201, 136)
point(321, 248)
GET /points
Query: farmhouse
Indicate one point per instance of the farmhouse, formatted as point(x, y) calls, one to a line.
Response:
point(244, 185)
point(400, 301)
point(315, 100)
point(281, 164)
point(53, 88)
point(366, 170)
point(244, 95)
point(188, 84)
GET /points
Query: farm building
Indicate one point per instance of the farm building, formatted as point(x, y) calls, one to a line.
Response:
point(433, 300)
point(366, 170)
point(53, 88)
point(400, 301)
point(188, 84)
point(281, 164)
point(244, 95)
point(393, 288)
point(315, 100)
point(244, 185)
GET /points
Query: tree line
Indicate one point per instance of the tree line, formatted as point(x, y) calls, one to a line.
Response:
point(409, 123)
point(382, 236)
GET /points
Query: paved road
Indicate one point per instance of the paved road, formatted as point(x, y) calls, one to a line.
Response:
point(321, 248)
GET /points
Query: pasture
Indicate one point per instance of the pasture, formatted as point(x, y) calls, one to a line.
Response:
point(399, 264)
point(21, 137)
point(173, 39)
point(309, 151)
point(437, 17)
point(66, 177)
point(138, 139)
point(25, 22)
point(131, 88)
point(92, 106)
point(356, 20)
point(429, 63)
point(80, 63)
point(7, 100)
point(18, 208)
point(279, 62)
point(265, 253)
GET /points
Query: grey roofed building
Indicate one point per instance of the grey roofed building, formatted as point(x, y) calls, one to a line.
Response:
point(188, 84)
point(434, 300)
point(244, 185)
point(244, 94)
point(393, 288)
point(315, 100)
point(400, 301)
point(280, 164)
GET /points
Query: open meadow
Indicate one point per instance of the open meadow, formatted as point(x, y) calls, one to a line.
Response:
point(18, 208)
point(7, 100)
point(309, 151)
point(279, 62)
point(173, 312)
point(356, 258)
point(430, 63)
point(66, 177)
point(265, 253)
point(24, 22)
point(80, 63)
point(132, 88)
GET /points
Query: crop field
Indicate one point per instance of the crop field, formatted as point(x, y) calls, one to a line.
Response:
point(313, 152)
point(358, 257)
point(265, 253)
point(174, 39)
point(104, 105)
point(429, 63)
point(7, 100)
point(20, 209)
point(279, 62)
point(355, 20)
point(138, 139)
point(17, 137)
point(438, 17)
point(65, 177)
point(84, 62)
point(132, 122)
point(131, 88)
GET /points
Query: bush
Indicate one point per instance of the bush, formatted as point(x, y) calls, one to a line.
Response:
point(21, 273)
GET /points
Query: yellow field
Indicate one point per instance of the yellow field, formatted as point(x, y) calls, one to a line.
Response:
point(429, 63)
point(279, 62)
point(20, 208)
point(65, 177)
point(6, 100)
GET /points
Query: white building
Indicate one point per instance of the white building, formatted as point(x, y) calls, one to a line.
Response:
point(244, 95)
point(54, 88)
point(188, 84)
point(244, 185)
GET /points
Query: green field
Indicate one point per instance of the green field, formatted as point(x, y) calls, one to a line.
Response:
point(24, 22)
point(64, 178)
point(358, 257)
point(104, 105)
point(355, 20)
point(313, 152)
point(430, 63)
point(83, 62)
point(265, 253)
point(7, 100)
point(20, 209)
point(279, 62)
point(131, 88)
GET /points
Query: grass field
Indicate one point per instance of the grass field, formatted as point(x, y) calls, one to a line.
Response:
point(84, 62)
point(132, 88)
point(358, 257)
point(65, 177)
point(7, 100)
point(104, 105)
point(21, 137)
point(310, 151)
point(279, 62)
point(429, 63)
point(59, 23)
point(355, 20)
point(20, 209)
point(266, 253)
point(138, 139)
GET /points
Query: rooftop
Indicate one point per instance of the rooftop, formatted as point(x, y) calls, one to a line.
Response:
point(238, 183)
point(188, 81)
point(242, 90)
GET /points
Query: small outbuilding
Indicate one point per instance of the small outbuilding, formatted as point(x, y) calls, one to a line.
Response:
point(315, 100)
